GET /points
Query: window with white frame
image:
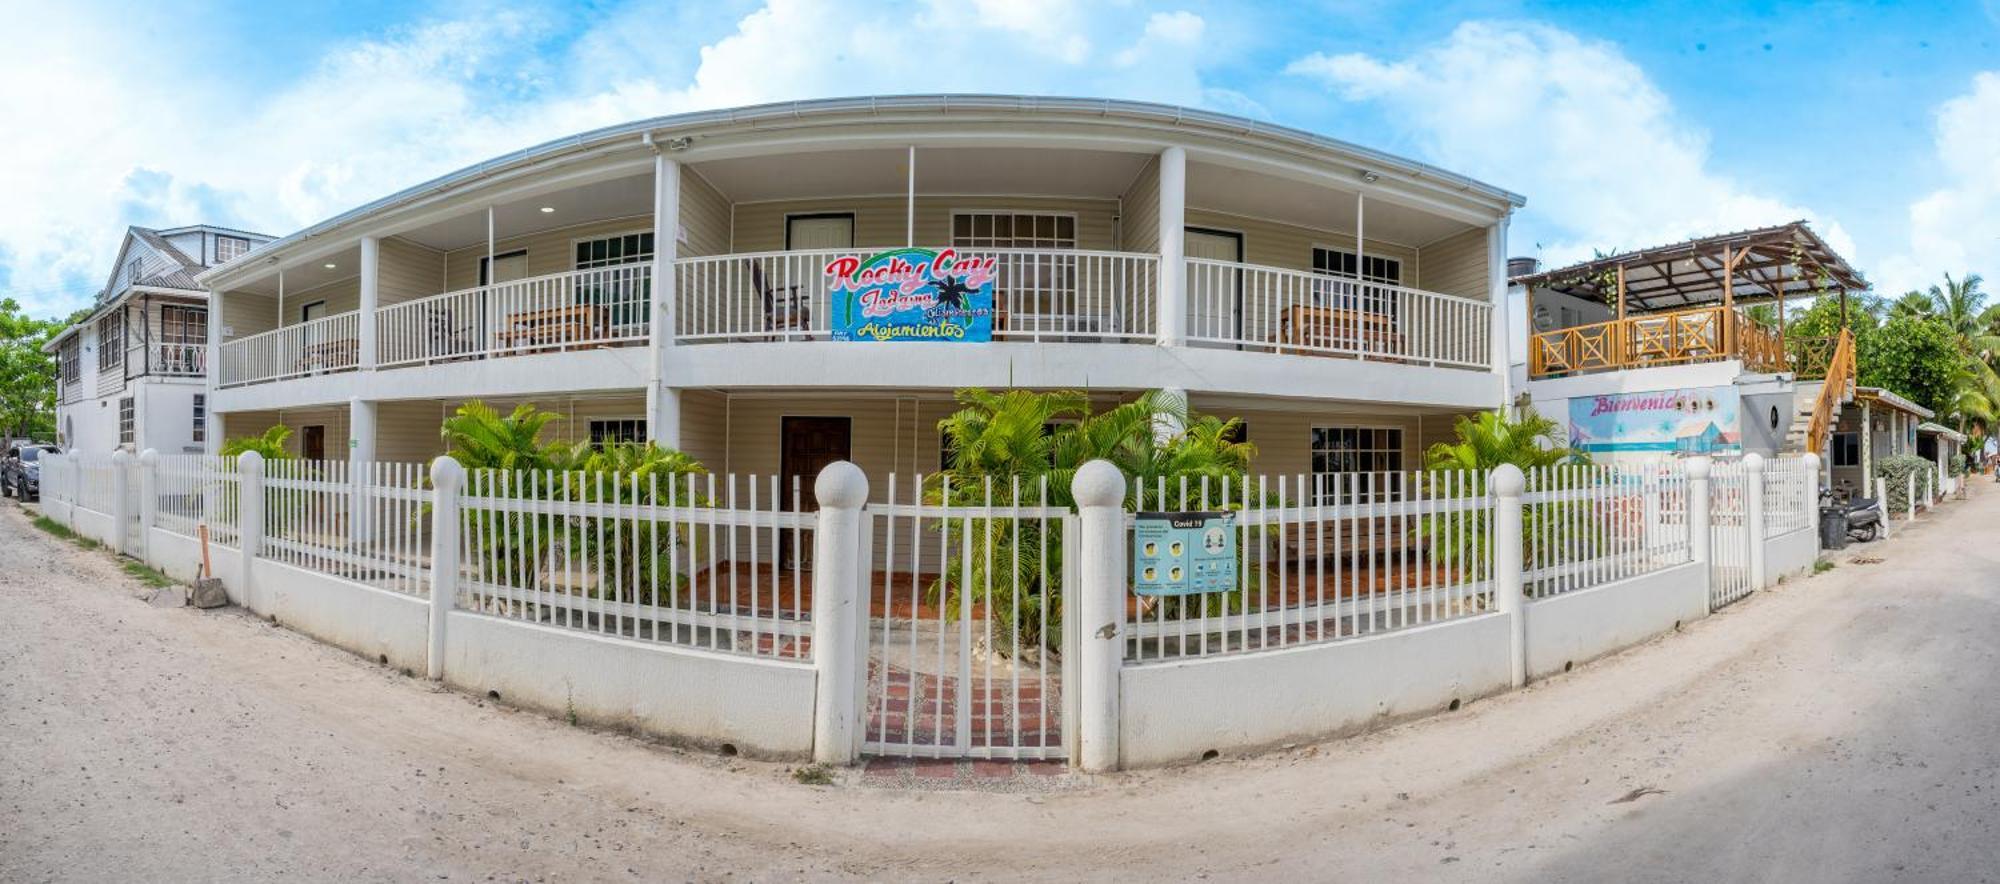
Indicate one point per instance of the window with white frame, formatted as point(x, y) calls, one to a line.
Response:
point(229, 248)
point(1345, 265)
point(200, 418)
point(111, 340)
point(1349, 463)
point(1034, 292)
point(69, 358)
point(605, 432)
point(608, 251)
point(125, 420)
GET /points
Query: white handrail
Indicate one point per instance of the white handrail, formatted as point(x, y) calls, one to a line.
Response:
point(1294, 311)
point(1040, 295)
point(326, 344)
point(605, 305)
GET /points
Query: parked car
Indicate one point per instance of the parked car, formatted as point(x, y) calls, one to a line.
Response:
point(21, 470)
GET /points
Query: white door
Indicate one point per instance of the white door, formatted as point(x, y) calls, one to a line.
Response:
point(1215, 294)
point(507, 268)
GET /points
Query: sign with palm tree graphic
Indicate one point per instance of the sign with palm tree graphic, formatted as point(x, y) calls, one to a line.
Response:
point(912, 295)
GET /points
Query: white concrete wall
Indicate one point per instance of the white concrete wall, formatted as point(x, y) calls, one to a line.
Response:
point(1175, 711)
point(1577, 626)
point(92, 524)
point(370, 622)
point(1790, 554)
point(763, 708)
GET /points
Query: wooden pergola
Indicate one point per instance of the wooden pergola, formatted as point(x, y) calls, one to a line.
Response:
point(1703, 281)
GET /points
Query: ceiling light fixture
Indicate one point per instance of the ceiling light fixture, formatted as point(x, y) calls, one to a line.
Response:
point(330, 265)
point(1370, 177)
point(548, 209)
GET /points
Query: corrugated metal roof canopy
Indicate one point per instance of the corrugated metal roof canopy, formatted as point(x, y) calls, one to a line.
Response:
point(1788, 258)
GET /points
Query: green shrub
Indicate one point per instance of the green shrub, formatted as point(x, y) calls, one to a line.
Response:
point(1898, 470)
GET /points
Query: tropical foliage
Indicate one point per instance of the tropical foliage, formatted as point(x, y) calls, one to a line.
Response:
point(1030, 444)
point(270, 444)
point(1484, 442)
point(1898, 470)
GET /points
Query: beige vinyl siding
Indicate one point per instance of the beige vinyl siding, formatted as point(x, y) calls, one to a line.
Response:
point(1290, 247)
point(551, 251)
point(1139, 222)
point(341, 296)
point(705, 427)
point(704, 216)
point(881, 222)
point(1457, 265)
point(408, 272)
point(236, 425)
point(244, 315)
point(407, 432)
point(1283, 436)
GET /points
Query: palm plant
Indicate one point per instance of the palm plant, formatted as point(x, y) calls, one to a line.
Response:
point(505, 458)
point(270, 444)
point(479, 438)
point(1485, 442)
point(643, 558)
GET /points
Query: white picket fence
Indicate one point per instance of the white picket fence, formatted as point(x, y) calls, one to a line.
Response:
point(949, 619)
point(697, 561)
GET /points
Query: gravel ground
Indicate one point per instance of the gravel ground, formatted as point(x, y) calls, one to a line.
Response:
point(1844, 727)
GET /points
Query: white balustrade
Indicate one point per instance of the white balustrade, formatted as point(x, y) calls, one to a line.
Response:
point(1290, 311)
point(320, 346)
point(582, 308)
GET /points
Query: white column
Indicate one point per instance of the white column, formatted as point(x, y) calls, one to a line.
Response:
point(250, 523)
point(1753, 515)
point(910, 202)
point(1508, 483)
point(663, 417)
point(1498, 329)
point(1099, 489)
point(1173, 306)
point(371, 266)
point(447, 477)
point(149, 498)
point(211, 372)
point(1699, 524)
point(361, 435)
point(839, 611)
point(121, 497)
point(1811, 491)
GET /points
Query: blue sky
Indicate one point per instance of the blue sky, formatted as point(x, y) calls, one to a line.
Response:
point(1624, 124)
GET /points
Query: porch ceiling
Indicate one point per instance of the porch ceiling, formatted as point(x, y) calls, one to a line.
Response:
point(958, 171)
point(595, 201)
point(1277, 198)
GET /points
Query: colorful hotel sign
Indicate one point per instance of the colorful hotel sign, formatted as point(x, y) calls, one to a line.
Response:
point(912, 295)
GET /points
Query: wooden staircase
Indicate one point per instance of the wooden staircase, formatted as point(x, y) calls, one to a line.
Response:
point(1819, 406)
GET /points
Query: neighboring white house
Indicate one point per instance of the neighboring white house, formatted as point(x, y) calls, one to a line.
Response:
point(670, 279)
point(134, 374)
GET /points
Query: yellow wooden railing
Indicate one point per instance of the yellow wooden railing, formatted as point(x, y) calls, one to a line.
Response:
point(1704, 334)
point(1838, 387)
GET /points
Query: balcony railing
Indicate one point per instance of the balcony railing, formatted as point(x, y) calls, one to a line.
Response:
point(1705, 334)
point(562, 311)
point(1039, 295)
point(1248, 306)
point(327, 344)
point(167, 360)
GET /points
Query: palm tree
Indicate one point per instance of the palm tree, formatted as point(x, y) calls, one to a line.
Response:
point(271, 445)
point(1485, 441)
point(1489, 439)
point(479, 438)
point(1960, 305)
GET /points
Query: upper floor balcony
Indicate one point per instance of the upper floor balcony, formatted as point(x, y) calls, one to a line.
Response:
point(1717, 299)
point(1100, 238)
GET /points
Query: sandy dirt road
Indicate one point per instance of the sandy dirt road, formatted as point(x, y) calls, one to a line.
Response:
point(1845, 727)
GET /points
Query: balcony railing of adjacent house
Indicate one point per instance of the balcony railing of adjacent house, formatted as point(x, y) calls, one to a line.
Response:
point(1289, 311)
point(1705, 334)
point(1039, 295)
point(327, 344)
point(600, 307)
point(164, 359)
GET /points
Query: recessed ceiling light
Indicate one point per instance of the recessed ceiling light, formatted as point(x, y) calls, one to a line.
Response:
point(548, 209)
point(330, 265)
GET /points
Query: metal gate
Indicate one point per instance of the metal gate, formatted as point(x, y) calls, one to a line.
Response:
point(1729, 534)
point(966, 628)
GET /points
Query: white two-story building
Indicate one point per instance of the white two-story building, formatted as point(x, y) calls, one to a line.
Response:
point(134, 374)
point(775, 287)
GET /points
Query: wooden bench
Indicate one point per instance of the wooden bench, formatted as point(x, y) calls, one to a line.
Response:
point(1355, 538)
point(1331, 328)
point(554, 327)
point(330, 355)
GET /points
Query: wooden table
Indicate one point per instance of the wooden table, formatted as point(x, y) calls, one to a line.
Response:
point(553, 327)
point(330, 355)
point(1333, 328)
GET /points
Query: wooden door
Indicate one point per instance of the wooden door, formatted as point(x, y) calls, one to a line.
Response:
point(809, 444)
point(312, 442)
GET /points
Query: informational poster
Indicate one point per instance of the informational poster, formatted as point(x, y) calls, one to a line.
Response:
point(912, 295)
point(1184, 553)
point(1682, 423)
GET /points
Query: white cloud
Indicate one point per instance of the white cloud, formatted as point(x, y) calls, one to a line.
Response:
point(98, 139)
point(1956, 228)
point(1573, 124)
